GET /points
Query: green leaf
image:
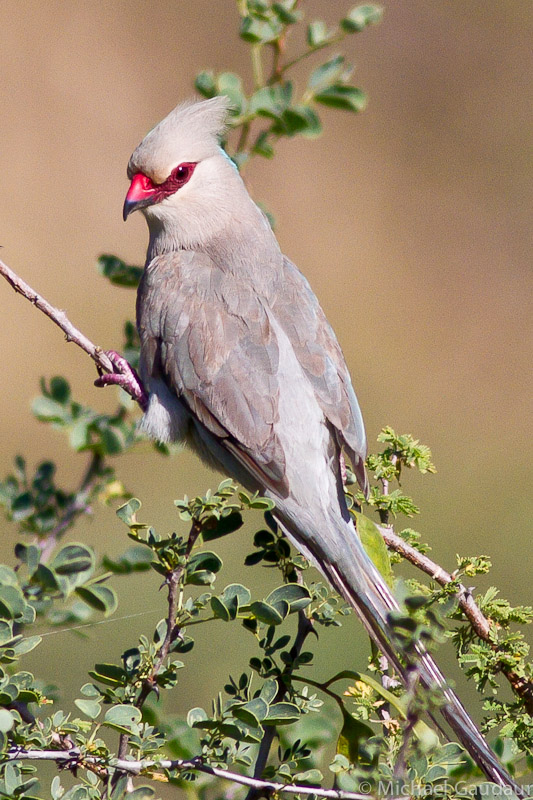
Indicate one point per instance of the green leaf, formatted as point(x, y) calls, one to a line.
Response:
point(266, 613)
point(353, 734)
point(375, 547)
point(80, 435)
point(48, 410)
point(293, 594)
point(46, 578)
point(286, 16)
point(108, 674)
point(141, 793)
point(112, 439)
point(269, 690)
point(251, 713)
point(127, 512)
point(230, 85)
point(56, 789)
point(8, 694)
point(6, 720)
point(29, 554)
point(239, 591)
point(215, 528)
point(326, 74)
point(205, 84)
point(22, 506)
point(73, 558)
point(207, 560)
point(26, 645)
point(220, 610)
point(262, 146)
point(265, 102)
point(89, 690)
point(201, 577)
point(118, 272)
point(257, 31)
point(136, 558)
point(196, 716)
point(6, 632)
point(294, 121)
point(124, 718)
point(309, 776)
point(348, 98)
point(12, 779)
point(102, 598)
point(8, 576)
point(12, 602)
point(60, 390)
point(90, 708)
point(317, 33)
point(282, 714)
point(361, 16)
point(314, 126)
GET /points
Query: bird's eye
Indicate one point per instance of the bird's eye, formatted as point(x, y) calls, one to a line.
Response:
point(182, 173)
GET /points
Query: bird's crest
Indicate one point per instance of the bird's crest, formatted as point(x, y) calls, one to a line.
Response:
point(190, 132)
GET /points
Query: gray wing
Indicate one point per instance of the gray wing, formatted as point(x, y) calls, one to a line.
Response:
point(210, 339)
point(320, 355)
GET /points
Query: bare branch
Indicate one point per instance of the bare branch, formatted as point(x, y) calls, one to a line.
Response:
point(75, 758)
point(116, 368)
point(72, 334)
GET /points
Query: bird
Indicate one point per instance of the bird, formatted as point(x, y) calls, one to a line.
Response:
point(238, 360)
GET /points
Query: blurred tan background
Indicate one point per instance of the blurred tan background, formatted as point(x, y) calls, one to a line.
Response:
point(411, 220)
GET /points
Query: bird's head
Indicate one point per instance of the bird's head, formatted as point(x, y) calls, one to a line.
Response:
point(181, 179)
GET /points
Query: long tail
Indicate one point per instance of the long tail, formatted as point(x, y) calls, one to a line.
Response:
point(337, 552)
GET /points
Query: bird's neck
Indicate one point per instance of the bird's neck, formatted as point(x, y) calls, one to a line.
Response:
point(235, 243)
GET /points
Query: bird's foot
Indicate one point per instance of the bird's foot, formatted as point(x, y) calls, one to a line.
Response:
point(126, 377)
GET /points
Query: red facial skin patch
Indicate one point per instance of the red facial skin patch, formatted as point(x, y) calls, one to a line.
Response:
point(144, 192)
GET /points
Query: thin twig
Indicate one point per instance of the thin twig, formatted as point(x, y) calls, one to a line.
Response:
point(128, 379)
point(76, 507)
point(296, 60)
point(173, 582)
point(305, 627)
point(72, 334)
point(257, 66)
point(481, 626)
point(412, 718)
point(75, 758)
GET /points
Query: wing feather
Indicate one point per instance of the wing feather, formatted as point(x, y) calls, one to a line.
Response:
point(321, 357)
point(218, 353)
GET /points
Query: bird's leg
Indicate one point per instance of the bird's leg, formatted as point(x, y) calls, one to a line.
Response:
point(126, 377)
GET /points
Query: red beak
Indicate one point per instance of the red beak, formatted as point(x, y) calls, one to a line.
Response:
point(141, 193)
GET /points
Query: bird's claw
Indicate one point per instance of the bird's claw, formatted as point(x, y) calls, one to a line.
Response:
point(126, 377)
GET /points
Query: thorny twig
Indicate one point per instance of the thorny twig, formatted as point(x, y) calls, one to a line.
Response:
point(173, 583)
point(481, 625)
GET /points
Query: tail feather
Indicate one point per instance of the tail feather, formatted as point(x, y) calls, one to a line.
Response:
point(356, 578)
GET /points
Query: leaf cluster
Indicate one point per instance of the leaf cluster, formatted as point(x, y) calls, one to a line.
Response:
point(274, 108)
